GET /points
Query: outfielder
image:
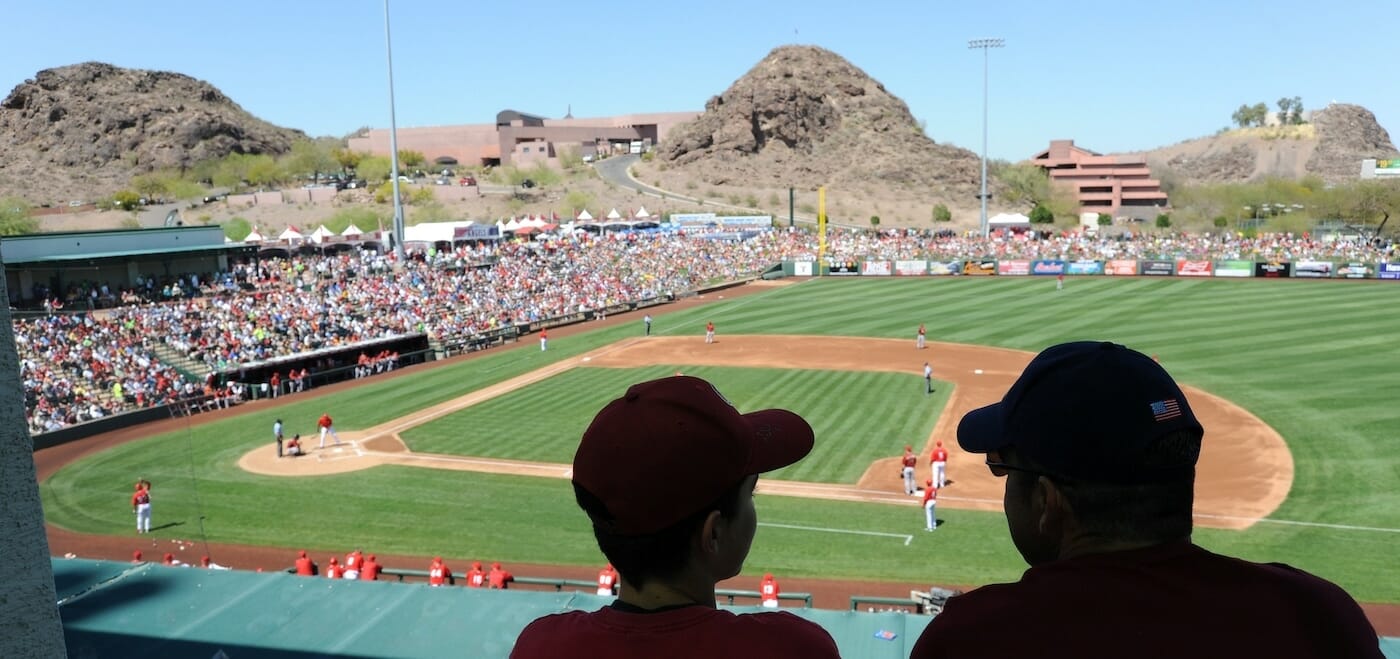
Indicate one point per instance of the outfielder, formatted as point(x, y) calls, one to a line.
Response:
point(710, 332)
point(939, 459)
point(930, 503)
point(910, 487)
point(544, 339)
point(141, 505)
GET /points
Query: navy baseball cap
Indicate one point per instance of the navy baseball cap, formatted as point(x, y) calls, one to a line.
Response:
point(669, 447)
point(1089, 411)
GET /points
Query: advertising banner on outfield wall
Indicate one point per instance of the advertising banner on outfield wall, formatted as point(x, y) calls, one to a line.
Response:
point(876, 268)
point(802, 269)
point(1044, 267)
point(693, 219)
point(1158, 268)
point(1234, 268)
point(979, 267)
point(1354, 271)
point(945, 267)
point(1187, 268)
point(1014, 267)
point(1273, 269)
point(1388, 270)
point(910, 268)
point(1084, 267)
point(843, 268)
point(1313, 269)
point(1127, 267)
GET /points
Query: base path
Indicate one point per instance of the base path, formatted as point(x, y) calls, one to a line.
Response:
point(1244, 473)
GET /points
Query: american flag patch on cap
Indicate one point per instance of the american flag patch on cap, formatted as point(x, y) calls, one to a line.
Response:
point(1165, 409)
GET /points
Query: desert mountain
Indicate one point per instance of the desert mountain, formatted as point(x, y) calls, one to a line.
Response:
point(805, 116)
point(92, 126)
point(1331, 146)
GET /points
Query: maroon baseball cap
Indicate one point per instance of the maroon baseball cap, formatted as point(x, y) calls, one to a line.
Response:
point(670, 447)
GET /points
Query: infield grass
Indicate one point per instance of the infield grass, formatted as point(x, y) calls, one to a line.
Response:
point(1316, 360)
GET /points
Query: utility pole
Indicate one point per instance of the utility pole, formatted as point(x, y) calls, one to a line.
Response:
point(393, 145)
point(985, 45)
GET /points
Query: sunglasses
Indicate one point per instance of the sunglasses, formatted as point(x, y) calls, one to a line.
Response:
point(1001, 469)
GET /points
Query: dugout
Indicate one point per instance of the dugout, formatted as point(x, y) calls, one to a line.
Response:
point(327, 365)
point(46, 265)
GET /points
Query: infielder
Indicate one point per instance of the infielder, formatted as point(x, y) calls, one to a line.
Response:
point(327, 427)
point(930, 503)
point(939, 459)
point(910, 487)
point(544, 339)
point(928, 379)
point(919, 339)
point(710, 332)
point(141, 505)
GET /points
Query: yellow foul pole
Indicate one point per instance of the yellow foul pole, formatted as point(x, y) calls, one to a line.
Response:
point(821, 227)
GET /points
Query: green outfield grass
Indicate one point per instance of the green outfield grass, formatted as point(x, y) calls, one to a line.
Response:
point(1315, 360)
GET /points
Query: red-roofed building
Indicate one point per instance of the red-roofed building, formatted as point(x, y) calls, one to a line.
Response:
point(1121, 186)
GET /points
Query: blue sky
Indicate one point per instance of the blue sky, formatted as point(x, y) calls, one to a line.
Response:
point(1109, 77)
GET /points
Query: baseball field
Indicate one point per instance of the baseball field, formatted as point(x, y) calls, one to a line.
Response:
point(469, 460)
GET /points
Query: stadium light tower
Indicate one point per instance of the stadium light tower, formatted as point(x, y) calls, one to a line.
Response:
point(393, 144)
point(985, 45)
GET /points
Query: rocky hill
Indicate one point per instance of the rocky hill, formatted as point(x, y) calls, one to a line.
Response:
point(805, 116)
point(1331, 147)
point(90, 127)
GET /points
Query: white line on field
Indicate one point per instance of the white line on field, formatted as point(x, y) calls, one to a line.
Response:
point(1289, 522)
point(907, 538)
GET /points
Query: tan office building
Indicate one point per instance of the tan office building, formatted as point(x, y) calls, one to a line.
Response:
point(1121, 186)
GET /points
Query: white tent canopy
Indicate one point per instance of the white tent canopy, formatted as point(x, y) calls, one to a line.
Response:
point(584, 216)
point(291, 235)
point(642, 212)
point(253, 236)
point(1009, 220)
point(512, 225)
point(351, 230)
point(321, 234)
point(614, 215)
point(433, 232)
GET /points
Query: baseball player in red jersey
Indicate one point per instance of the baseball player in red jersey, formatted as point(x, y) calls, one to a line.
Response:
point(919, 339)
point(910, 486)
point(334, 569)
point(709, 332)
point(438, 572)
point(476, 577)
point(498, 577)
point(141, 505)
point(544, 339)
point(305, 566)
point(939, 459)
point(353, 562)
point(930, 502)
point(327, 428)
point(607, 581)
point(768, 591)
point(371, 569)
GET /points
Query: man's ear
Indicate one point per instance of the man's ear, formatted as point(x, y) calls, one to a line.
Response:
point(711, 533)
point(1053, 506)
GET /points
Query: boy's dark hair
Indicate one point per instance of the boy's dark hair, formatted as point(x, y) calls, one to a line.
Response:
point(641, 559)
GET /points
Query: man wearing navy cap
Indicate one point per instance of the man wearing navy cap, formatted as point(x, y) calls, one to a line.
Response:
point(673, 538)
point(1098, 446)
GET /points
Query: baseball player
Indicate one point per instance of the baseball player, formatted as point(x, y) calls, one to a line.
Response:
point(646, 320)
point(327, 428)
point(928, 379)
point(353, 562)
point(544, 339)
point(141, 505)
point(277, 434)
point(607, 581)
point(305, 566)
point(768, 591)
point(910, 487)
point(498, 577)
point(1060, 281)
point(710, 332)
point(476, 577)
point(939, 460)
point(920, 338)
point(930, 503)
point(334, 570)
point(438, 573)
point(370, 571)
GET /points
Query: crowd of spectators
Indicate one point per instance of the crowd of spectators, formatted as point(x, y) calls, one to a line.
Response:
point(80, 367)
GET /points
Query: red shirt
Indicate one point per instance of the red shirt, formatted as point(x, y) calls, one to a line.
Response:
point(370, 571)
point(921, 330)
point(768, 589)
point(1162, 601)
point(140, 497)
point(709, 327)
point(438, 573)
point(607, 579)
point(324, 421)
point(692, 631)
point(354, 560)
point(335, 571)
point(930, 494)
point(910, 460)
point(940, 454)
point(476, 578)
point(498, 578)
point(306, 567)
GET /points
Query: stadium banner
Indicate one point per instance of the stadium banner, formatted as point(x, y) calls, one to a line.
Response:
point(1388, 271)
point(982, 267)
point(1158, 268)
point(1273, 269)
point(1234, 268)
point(1015, 267)
point(1087, 267)
point(1189, 268)
point(876, 268)
point(1120, 267)
point(909, 268)
point(802, 269)
point(743, 220)
point(693, 219)
point(1354, 271)
point(843, 268)
point(945, 267)
point(1046, 267)
point(1313, 269)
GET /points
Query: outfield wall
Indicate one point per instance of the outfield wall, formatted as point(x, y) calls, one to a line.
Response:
point(1233, 268)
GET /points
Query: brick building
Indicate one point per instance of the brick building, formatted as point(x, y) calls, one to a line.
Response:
point(1121, 186)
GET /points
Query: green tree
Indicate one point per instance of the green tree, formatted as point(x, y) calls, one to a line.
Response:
point(310, 157)
point(148, 185)
point(1295, 116)
point(874, 221)
point(1258, 113)
point(348, 160)
point(1220, 221)
point(1041, 214)
point(14, 217)
point(1241, 116)
point(1285, 104)
point(409, 159)
point(941, 213)
point(237, 228)
point(1164, 221)
point(1105, 219)
point(126, 200)
point(264, 171)
point(577, 201)
point(1026, 184)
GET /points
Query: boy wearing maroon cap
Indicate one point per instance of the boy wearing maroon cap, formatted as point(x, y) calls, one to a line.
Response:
point(1098, 446)
point(673, 539)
